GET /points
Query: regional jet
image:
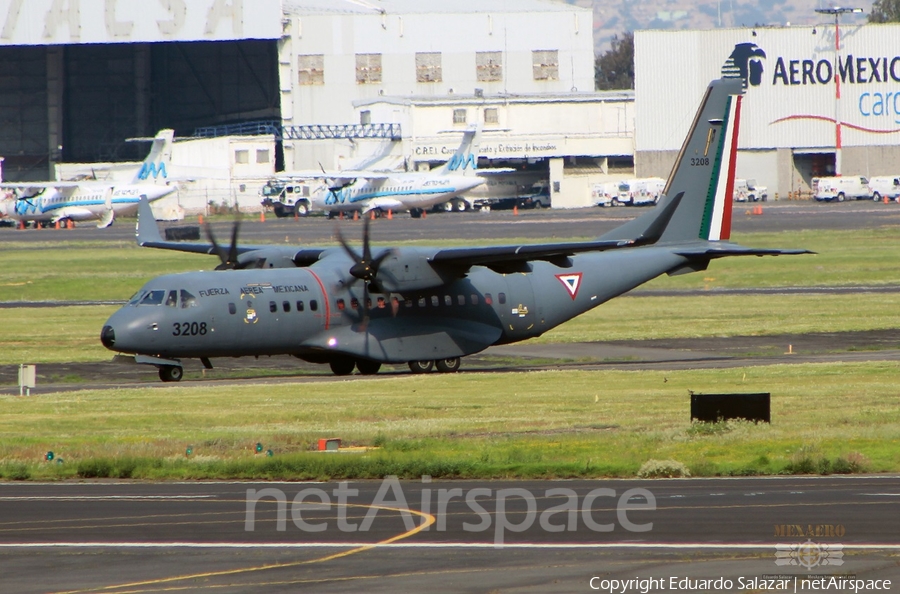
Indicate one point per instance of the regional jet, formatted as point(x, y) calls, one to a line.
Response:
point(62, 201)
point(429, 307)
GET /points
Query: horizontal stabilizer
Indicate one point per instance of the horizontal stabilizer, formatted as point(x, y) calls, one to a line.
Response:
point(722, 250)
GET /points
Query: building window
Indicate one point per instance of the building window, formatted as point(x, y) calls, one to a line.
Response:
point(488, 66)
point(368, 68)
point(365, 117)
point(459, 116)
point(262, 155)
point(242, 156)
point(491, 116)
point(545, 64)
point(428, 67)
point(311, 69)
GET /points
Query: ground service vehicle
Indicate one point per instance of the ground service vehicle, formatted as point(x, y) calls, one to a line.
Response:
point(840, 188)
point(885, 186)
point(286, 197)
point(746, 190)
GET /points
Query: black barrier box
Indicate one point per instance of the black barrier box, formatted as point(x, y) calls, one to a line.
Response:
point(189, 232)
point(710, 408)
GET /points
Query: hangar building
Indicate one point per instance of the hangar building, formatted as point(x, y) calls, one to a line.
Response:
point(787, 131)
point(80, 77)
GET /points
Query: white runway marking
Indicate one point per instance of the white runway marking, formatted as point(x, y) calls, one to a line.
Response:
point(422, 545)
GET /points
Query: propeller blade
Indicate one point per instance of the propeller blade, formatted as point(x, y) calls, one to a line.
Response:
point(233, 250)
point(223, 257)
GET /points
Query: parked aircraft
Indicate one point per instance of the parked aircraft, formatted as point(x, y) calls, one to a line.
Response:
point(365, 191)
point(61, 201)
point(428, 307)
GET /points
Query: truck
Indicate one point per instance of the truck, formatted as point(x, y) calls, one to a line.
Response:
point(286, 197)
point(605, 194)
point(840, 188)
point(642, 191)
point(747, 190)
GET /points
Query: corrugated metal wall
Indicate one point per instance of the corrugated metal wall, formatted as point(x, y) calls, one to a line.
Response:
point(793, 104)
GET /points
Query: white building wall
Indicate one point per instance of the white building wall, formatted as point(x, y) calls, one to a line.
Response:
point(786, 109)
point(340, 30)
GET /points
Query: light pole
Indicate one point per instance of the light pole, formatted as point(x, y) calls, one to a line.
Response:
point(837, 11)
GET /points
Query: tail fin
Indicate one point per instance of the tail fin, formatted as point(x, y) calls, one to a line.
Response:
point(703, 174)
point(465, 160)
point(158, 159)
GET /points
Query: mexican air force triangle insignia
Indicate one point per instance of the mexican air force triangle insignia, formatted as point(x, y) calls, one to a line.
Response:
point(571, 282)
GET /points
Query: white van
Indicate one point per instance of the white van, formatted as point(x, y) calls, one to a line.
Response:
point(885, 186)
point(635, 192)
point(605, 194)
point(840, 188)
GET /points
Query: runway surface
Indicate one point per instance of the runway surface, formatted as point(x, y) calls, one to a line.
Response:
point(461, 536)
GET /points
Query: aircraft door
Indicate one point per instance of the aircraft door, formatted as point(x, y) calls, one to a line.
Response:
point(519, 312)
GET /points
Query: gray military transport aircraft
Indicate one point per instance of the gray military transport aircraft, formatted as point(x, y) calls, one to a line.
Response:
point(428, 307)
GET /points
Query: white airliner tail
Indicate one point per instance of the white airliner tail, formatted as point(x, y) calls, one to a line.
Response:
point(465, 160)
point(158, 160)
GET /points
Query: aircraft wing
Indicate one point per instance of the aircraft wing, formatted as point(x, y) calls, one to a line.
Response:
point(495, 171)
point(504, 256)
point(338, 176)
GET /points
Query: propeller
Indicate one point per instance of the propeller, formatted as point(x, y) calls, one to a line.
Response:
point(229, 259)
point(365, 267)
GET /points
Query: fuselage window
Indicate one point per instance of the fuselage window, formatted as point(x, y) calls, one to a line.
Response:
point(369, 303)
point(187, 300)
point(461, 299)
point(232, 309)
point(474, 299)
point(488, 299)
point(448, 300)
point(340, 304)
point(501, 297)
point(435, 301)
point(421, 302)
point(286, 306)
point(395, 304)
point(313, 305)
point(172, 299)
point(354, 303)
point(273, 307)
point(153, 298)
point(409, 303)
point(299, 306)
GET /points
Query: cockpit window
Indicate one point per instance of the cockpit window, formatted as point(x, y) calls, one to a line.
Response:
point(172, 299)
point(137, 297)
point(187, 300)
point(153, 298)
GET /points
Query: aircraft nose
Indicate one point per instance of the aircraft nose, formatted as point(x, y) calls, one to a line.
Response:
point(108, 336)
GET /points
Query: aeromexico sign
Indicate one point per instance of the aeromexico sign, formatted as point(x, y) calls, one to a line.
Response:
point(871, 84)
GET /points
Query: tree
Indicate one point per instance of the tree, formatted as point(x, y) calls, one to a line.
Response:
point(615, 68)
point(885, 11)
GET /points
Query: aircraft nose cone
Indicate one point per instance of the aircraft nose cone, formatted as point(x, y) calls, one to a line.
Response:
point(108, 337)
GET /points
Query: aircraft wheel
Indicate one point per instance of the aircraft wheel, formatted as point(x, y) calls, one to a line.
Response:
point(367, 367)
point(170, 373)
point(342, 366)
point(447, 206)
point(421, 366)
point(461, 206)
point(447, 365)
point(415, 213)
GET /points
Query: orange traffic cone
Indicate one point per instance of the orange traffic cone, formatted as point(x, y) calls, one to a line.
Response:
point(390, 214)
point(70, 224)
point(371, 215)
point(56, 225)
point(355, 215)
point(200, 219)
point(886, 199)
point(262, 216)
point(515, 210)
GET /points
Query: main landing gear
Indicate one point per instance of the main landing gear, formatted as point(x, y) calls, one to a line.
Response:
point(170, 373)
point(346, 365)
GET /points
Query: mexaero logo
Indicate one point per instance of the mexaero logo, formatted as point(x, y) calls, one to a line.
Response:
point(744, 63)
point(148, 169)
point(462, 162)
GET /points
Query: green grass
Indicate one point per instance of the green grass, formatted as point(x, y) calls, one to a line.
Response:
point(836, 417)
point(114, 271)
